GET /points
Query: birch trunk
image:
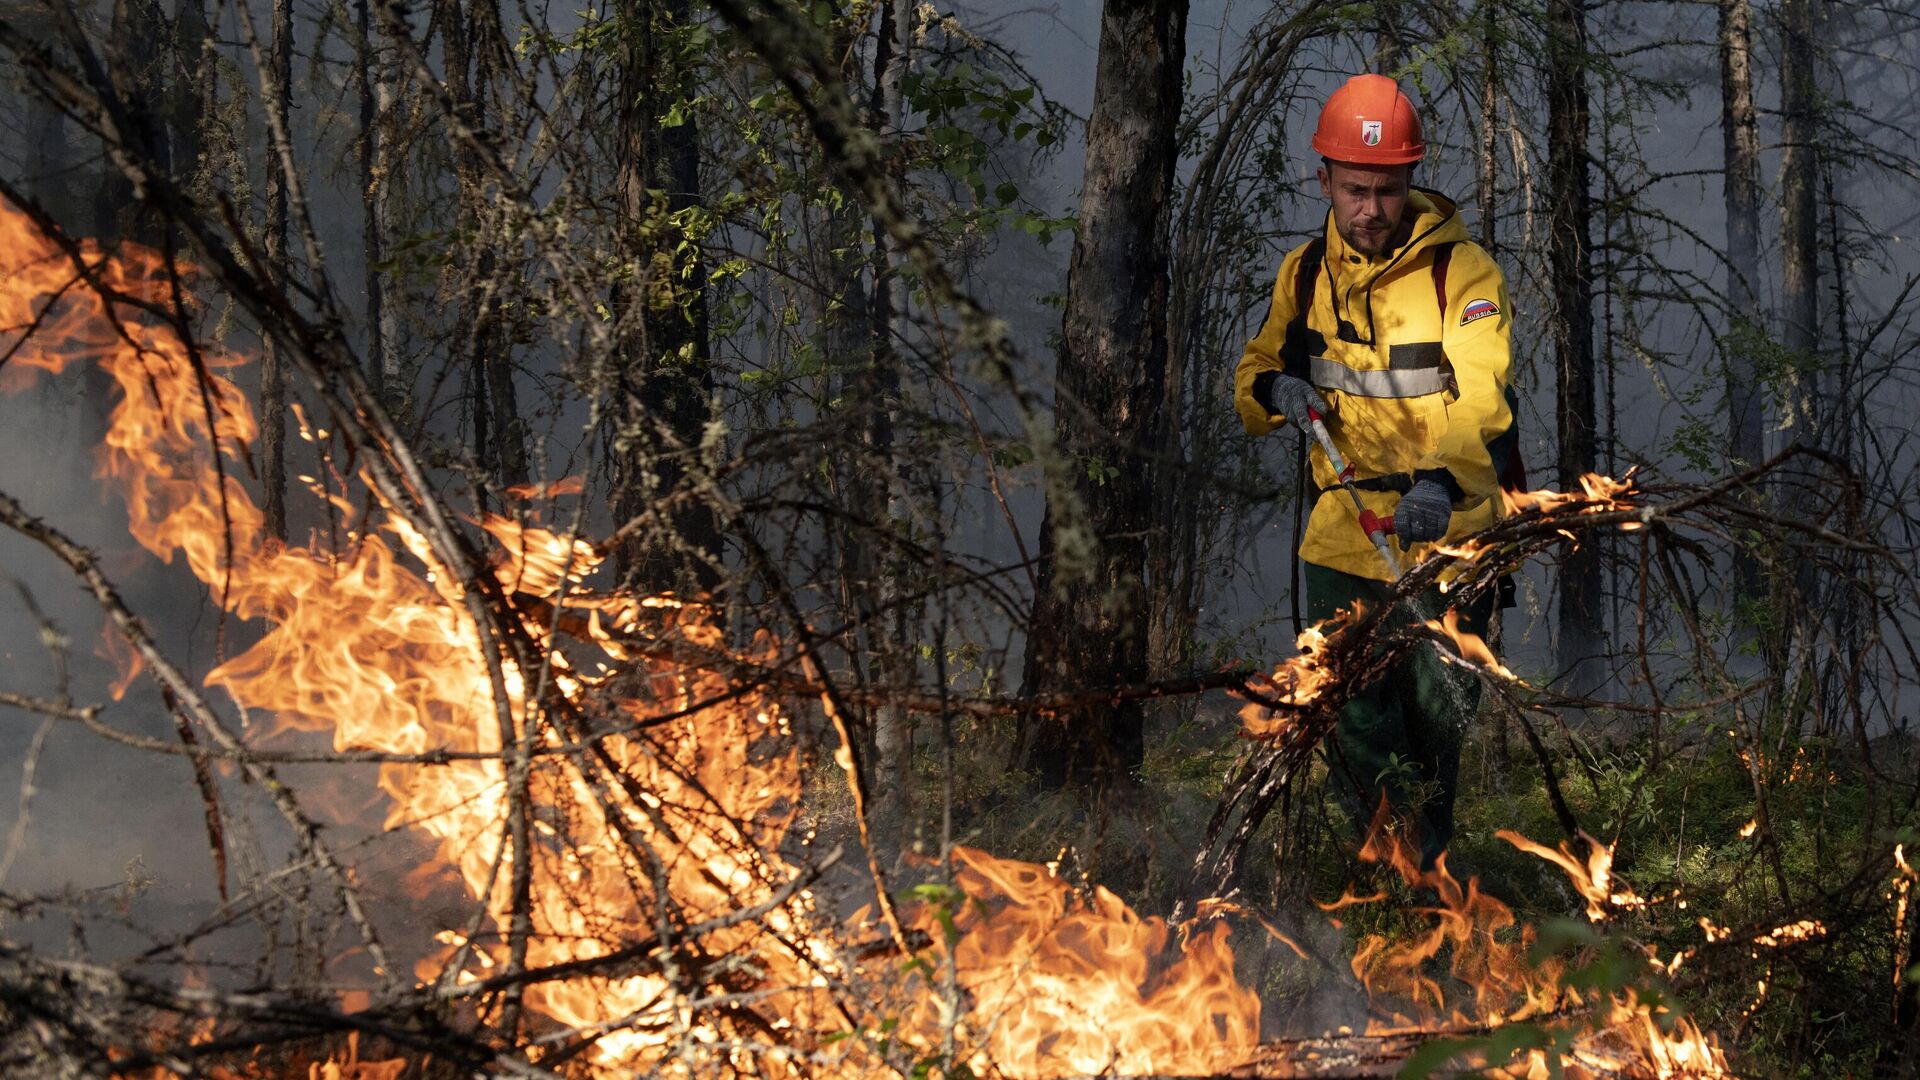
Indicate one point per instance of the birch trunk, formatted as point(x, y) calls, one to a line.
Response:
point(887, 310)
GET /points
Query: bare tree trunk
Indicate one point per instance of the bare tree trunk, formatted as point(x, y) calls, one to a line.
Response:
point(887, 308)
point(1582, 608)
point(1740, 137)
point(273, 376)
point(1800, 212)
point(471, 40)
point(1487, 181)
point(1487, 171)
point(375, 95)
point(1089, 625)
point(662, 410)
point(1806, 404)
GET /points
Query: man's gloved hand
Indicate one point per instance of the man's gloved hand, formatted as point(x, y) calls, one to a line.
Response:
point(1423, 513)
point(1288, 395)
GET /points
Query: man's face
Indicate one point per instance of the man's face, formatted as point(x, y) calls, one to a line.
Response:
point(1369, 203)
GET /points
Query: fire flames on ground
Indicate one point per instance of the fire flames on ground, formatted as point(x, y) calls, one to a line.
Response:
point(662, 796)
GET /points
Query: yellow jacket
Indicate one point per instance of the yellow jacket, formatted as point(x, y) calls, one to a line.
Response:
point(1416, 392)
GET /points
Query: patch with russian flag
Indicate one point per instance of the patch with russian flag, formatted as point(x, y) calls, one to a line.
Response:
point(1478, 309)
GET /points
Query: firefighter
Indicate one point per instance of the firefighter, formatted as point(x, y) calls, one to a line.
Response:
point(1393, 325)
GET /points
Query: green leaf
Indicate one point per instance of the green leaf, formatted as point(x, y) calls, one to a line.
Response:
point(1435, 1055)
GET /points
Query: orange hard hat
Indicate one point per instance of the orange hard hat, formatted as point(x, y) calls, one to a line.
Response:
point(1369, 121)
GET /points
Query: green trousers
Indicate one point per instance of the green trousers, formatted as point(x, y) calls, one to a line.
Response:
point(1400, 736)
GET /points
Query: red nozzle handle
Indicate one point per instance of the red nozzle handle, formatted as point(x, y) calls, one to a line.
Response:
point(1374, 524)
point(1314, 414)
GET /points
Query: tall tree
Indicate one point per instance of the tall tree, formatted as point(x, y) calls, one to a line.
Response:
point(1740, 139)
point(1487, 165)
point(661, 407)
point(278, 78)
point(1815, 401)
point(1800, 211)
point(374, 160)
point(1089, 624)
point(1570, 267)
point(476, 49)
point(886, 315)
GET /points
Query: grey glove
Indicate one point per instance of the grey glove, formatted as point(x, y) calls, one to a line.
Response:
point(1288, 395)
point(1423, 513)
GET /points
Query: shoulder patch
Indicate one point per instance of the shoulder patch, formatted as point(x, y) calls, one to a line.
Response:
point(1478, 309)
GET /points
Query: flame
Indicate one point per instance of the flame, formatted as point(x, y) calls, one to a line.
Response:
point(1467, 925)
point(1298, 680)
point(1598, 494)
point(1592, 876)
point(1469, 645)
point(1903, 879)
point(1066, 983)
point(1475, 934)
point(660, 794)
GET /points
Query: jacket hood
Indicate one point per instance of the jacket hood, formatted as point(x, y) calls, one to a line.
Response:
point(1436, 220)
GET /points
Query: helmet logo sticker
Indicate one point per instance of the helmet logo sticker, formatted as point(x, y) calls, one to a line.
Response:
point(1478, 309)
point(1370, 131)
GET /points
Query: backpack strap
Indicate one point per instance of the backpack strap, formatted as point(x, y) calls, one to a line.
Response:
point(1306, 276)
point(1442, 256)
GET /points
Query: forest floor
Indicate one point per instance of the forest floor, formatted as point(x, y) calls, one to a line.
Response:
point(1680, 816)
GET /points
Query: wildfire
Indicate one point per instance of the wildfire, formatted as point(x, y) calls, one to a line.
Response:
point(660, 795)
point(1065, 986)
point(1484, 951)
point(1592, 876)
point(1598, 494)
point(1469, 645)
point(1297, 681)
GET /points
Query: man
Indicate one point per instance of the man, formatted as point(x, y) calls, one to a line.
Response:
point(1394, 327)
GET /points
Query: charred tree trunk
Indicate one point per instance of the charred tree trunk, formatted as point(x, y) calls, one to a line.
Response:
point(1582, 608)
point(1089, 625)
point(1740, 138)
point(665, 380)
point(273, 376)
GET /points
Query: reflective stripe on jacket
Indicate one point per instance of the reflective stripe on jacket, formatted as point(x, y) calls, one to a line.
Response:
point(1414, 389)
